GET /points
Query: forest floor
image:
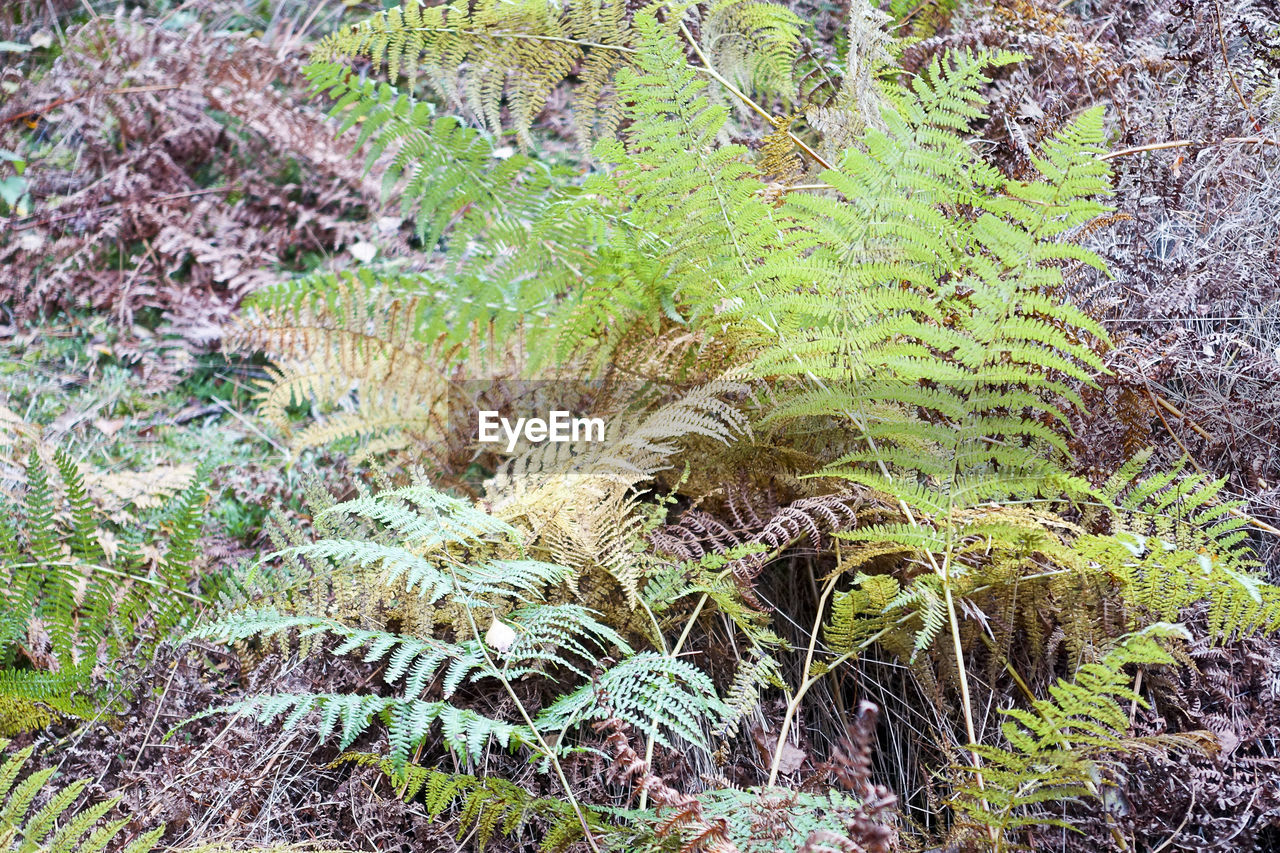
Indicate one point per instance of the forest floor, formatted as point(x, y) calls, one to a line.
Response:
point(173, 164)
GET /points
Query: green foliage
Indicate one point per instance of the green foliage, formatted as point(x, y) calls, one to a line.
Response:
point(756, 820)
point(653, 692)
point(668, 169)
point(858, 615)
point(1058, 748)
point(477, 54)
point(904, 318)
point(445, 551)
point(488, 807)
point(923, 17)
point(932, 325)
point(71, 611)
point(449, 171)
point(408, 721)
point(1174, 543)
point(26, 829)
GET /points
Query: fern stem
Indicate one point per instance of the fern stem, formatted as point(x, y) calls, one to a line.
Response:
point(794, 704)
point(675, 650)
point(684, 635)
point(119, 574)
point(962, 671)
point(811, 680)
point(542, 744)
point(1187, 143)
point(944, 574)
point(963, 677)
point(746, 99)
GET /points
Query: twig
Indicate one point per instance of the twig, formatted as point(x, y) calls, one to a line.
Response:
point(498, 672)
point(119, 574)
point(798, 187)
point(1186, 143)
point(746, 99)
point(1226, 63)
point(126, 90)
point(1161, 402)
point(31, 221)
point(177, 664)
point(1173, 434)
point(262, 435)
point(1177, 413)
point(1191, 790)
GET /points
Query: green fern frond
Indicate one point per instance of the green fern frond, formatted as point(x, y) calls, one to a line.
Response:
point(406, 529)
point(860, 613)
point(489, 807)
point(24, 830)
point(442, 171)
point(658, 695)
point(92, 608)
point(478, 55)
point(743, 696)
point(669, 169)
point(547, 636)
point(1058, 749)
point(408, 721)
point(1175, 543)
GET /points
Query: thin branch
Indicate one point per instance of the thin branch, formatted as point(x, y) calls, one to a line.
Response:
point(127, 90)
point(35, 221)
point(746, 99)
point(1187, 143)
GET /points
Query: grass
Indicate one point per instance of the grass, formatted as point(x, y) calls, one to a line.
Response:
point(134, 401)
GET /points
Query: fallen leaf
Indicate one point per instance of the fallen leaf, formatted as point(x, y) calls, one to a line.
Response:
point(108, 426)
point(792, 759)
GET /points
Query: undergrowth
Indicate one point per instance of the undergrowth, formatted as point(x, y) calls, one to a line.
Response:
point(883, 546)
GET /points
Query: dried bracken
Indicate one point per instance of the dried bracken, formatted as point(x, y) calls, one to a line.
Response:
point(684, 812)
point(161, 179)
point(1190, 88)
point(936, 344)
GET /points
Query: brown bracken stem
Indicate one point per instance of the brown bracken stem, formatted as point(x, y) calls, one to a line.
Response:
point(128, 90)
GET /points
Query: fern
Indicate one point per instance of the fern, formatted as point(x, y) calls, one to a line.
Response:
point(1059, 747)
point(659, 695)
point(93, 611)
point(858, 615)
point(669, 169)
point(25, 829)
point(1174, 544)
point(898, 330)
point(585, 505)
point(743, 696)
point(488, 807)
point(546, 636)
point(475, 55)
point(449, 171)
point(408, 722)
point(909, 282)
point(755, 820)
point(427, 543)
